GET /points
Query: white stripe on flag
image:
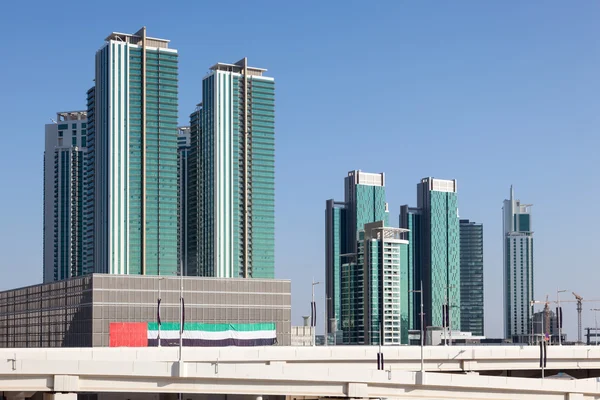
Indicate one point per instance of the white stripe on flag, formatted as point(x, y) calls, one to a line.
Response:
point(207, 335)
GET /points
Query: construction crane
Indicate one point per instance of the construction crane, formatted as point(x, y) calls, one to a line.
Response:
point(579, 309)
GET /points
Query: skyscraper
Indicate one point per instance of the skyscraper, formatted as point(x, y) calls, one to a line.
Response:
point(471, 277)
point(233, 143)
point(435, 253)
point(518, 267)
point(410, 219)
point(375, 288)
point(133, 158)
point(335, 246)
point(183, 173)
point(66, 142)
point(364, 202)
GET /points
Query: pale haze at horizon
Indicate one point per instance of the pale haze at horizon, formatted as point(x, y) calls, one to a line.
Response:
point(490, 94)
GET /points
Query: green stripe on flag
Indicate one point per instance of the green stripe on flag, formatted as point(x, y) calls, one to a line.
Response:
point(200, 326)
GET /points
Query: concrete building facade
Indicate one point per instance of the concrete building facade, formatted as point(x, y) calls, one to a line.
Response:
point(92, 310)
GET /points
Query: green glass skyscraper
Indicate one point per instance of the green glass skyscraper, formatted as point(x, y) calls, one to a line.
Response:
point(335, 246)
point(66, 141)
point(410, 219)
point(364, 202)
point(375, 288)
point(183, 179)
point(233, 165)
point(132, 163)
point(471, 277)
point(436, 252)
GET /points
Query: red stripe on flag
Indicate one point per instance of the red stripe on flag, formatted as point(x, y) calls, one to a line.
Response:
point(128, 334)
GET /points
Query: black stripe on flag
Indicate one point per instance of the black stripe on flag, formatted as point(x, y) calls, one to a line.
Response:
point(313, 313)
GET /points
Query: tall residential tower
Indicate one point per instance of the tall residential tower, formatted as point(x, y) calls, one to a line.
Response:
point(233, 146)
point(183, 180)
point(434, 252)
point(132, 166)
point(471, 277)
point(518, 267)
point(66, 141)
point(364, 202)
point(335, 246)
point(375, 288)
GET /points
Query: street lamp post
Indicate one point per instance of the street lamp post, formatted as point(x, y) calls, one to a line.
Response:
point(313, 312)
point(181, 321)
point(422, 327)
point(559, 316)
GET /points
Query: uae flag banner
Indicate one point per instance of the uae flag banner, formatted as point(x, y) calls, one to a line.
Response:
point(213, 335)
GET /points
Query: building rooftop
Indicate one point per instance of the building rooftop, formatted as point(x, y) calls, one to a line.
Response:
point(441, 185)
point(136, 39)
point(239, 68)
point(71, 115)
point(367, 178)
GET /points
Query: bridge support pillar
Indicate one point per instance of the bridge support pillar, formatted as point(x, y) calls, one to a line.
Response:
point(60, 396)
point(420, 378)
point(357, 390)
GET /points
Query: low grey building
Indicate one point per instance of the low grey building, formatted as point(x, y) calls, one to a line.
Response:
point(122, 310)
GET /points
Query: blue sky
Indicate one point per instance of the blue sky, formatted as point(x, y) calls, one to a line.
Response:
point(488, 93)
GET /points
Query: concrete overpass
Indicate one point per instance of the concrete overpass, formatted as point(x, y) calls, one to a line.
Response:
point(466, 372)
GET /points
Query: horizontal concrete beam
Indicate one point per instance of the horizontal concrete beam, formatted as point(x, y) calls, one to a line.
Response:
point(315, 371)
point(251, 379)
point(437, 358)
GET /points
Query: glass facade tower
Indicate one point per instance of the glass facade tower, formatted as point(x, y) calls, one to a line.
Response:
point(183, 178)
point(375, 295)
point(335, 246)
point(410, 219)
point(471, 277)
point(65, 149)
point(435, 252)
point(233, 168)
point(518, 267)
point(133, 161)
point(364, 202)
